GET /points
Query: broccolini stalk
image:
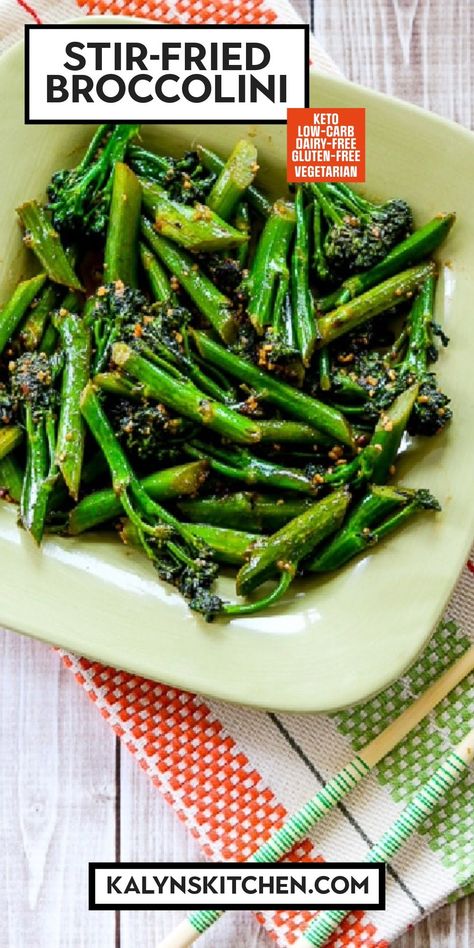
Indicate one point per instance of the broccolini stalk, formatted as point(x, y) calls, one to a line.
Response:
point(121, 245)
point(258, 200)
point(10, 438)
point(156, 275)
point(195, 228)
point(11, 479)
point(228, 546)
point(389, 432)
point(41, 237)
point(375, 461)
point(268, 279)
point(242, 223)
point(383, 297)
point(32, 330)
point(179, 558)
point(348, 387)
point(234, 179)
point(261, 513)
point(32, 378)
point(290, 432)
point(291, 401)
point(319, 258)
point(240, 465)
point(420, 338)
point(79, 198)
point(302, 299)
point(324, 364)
point(381, 511)
point(41, 472)
point(431, 411)
point(49, 340)
point(13, 311)
point(185, 398)
point(104, 505)
point(113, 383)
point(284, 550)
point(76, 345)
point(416, 247)
point(216, 307)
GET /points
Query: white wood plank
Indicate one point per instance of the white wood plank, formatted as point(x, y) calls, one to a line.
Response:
point(150, 831)
point(57, 799)
point(420, 50)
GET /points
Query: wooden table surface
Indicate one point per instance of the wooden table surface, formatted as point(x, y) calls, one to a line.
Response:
point(68, 793)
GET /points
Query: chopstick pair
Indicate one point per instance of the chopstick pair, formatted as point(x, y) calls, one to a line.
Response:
point(452, 768)
point(297, 826)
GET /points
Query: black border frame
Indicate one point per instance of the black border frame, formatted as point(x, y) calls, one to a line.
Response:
point(161, 26)
point(233, 906)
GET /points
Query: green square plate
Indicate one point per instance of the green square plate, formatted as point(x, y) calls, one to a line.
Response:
point(332, 642)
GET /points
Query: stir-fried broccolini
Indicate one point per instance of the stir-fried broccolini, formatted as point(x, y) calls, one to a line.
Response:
point(233, 384)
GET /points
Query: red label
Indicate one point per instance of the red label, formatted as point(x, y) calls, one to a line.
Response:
point(325, 145)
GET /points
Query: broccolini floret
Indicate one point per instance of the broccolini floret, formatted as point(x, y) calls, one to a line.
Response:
point(359, 233)
point(32, 383)
point(384, 375)
point(185, 179)
point(147, 430)
point(79, 198)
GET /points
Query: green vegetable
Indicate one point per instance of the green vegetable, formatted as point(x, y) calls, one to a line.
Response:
point(13, 311)
point(291, 401)
point(284, 550)
point(185, 398)
point(262, 513)
point(302, 299)
point(410, 251)
point(268, 280)
point(79, 198)
point(120, 258)
point(11, 478)
point(378, 300)
point(240, 465)
point(381, 511)
point(157, 278)
point(45, 242)
point(37, 318)
point(10, 438)
point(76, 343)
point(228, 546)
point(184, 179)
point(33, 377)
point(234, 179)
point(177, 556)
point(215, 164)
point(102, 506)
point(216, 307)
point(197, 349)
point(360, 233)
point(195, 228)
